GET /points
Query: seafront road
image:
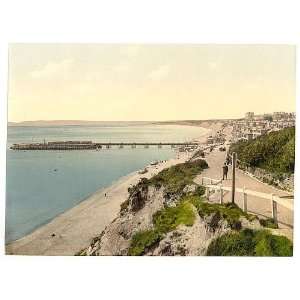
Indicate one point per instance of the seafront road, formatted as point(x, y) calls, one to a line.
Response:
point(258, 206)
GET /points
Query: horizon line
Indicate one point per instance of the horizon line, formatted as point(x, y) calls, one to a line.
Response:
point(148, 121)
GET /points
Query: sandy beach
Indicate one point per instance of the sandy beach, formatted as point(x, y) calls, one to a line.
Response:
point(74, 229)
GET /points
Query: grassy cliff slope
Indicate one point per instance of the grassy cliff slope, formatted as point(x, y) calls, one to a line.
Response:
point(274, 152)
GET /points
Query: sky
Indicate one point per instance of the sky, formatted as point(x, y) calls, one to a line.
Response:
point(102, 82)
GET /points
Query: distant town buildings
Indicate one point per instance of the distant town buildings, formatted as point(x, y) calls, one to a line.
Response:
point(249, 115)
point(253, 125)
point(279, 115)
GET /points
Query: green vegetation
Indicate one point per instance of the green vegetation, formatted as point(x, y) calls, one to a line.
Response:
point(274, 152)
point(164, 221)
point(169, 218)
point(176, 178)
point(229, 211)
point(124, 205)
point(269, 223)
point(173, 179)
point(249, 242)
point(142, 241)
point(200, 191)
point(240, 242)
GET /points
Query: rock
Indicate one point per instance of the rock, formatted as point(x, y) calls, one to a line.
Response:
point(190, 189)
point(254, 224)
point(115, 239)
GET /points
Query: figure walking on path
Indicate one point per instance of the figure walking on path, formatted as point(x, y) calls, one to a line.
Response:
point(225, 171)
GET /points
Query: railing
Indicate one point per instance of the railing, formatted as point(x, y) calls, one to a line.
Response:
point(274, 199)
point(210, 180)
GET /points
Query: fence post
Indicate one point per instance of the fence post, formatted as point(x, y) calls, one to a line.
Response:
point(245, 207)
point(207, 193)
point(211, 181)
point(233, 177)
point(274, 210)
point(221, 194)
point(202, 180)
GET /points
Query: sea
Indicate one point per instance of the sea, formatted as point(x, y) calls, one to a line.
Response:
point(43, 184)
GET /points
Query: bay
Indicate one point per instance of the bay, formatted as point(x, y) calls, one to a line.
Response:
point(42, 184)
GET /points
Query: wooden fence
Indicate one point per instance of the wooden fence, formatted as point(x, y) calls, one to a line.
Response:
point(206, 180)
point(274, 199)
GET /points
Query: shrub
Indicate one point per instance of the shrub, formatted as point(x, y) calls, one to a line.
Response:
point(274, 152)
point(249, 242)
point(124, 205)
point(200, 191)
point(164, 221)
point(175, 178)
point(169, 218)
point(229, 211)
point(143, 240)
point(269, 223)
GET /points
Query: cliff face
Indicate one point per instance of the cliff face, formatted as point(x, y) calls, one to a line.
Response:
point(169, 215)
point(190, 240)
point(137, 216)
point(138, 213)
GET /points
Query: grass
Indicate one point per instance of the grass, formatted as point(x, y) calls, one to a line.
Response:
point(241, 242)
point(249, 242)
point(268, 223)
point(274, 152)
point(176, 178)
point(200, 191)
point(164, 221)
point(169, 218)
point(229, 211)
point(173, 179)
point(142, 241)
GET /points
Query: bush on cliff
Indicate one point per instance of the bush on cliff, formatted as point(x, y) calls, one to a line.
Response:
point(142, 241)
point(268, 223)
point(249, 242)
point(274, 152)
point(164, 221)
point(175, 178)
point(229, 211)
point(168, 219)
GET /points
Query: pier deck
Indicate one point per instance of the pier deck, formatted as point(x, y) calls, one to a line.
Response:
point(88, 145)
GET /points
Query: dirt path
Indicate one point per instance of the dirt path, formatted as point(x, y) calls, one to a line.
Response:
point(259, 206)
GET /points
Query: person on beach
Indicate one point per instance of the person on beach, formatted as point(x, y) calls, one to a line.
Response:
point(225, 170)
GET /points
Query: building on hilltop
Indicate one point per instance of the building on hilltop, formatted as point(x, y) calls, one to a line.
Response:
point(258, 117)
point(280, 115)
point(249, 115)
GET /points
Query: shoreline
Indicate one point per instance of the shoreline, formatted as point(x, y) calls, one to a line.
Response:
point(72, 230)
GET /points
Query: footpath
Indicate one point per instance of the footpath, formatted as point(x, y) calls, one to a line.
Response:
point(256, 205)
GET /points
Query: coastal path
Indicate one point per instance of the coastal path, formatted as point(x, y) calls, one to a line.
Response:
point(256, 205)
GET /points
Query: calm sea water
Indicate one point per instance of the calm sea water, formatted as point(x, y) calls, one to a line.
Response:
point(42, 184)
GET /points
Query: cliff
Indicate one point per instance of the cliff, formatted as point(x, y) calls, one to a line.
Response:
point(168, 215)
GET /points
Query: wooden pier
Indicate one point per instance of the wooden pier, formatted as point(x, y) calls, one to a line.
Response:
point(88, 145)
